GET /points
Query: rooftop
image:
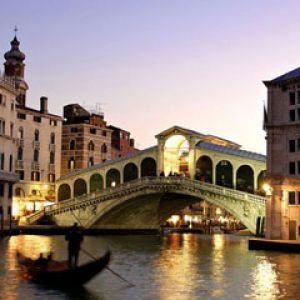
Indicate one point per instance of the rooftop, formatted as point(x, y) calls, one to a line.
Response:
point(287, 76)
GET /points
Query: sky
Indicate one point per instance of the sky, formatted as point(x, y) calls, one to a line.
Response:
point(154, 64)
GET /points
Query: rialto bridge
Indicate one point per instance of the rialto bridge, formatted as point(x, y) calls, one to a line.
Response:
point(141, 190)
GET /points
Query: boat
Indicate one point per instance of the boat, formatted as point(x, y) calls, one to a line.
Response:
point(57, 273)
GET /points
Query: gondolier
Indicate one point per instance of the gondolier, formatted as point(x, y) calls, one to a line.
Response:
point(75, 238)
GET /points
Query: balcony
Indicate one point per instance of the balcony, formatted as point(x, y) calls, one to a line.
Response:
point(19, 165)
point(52, 168)
point(20, 143)
point(35, 166)
point(36, 145)
point(52, 147)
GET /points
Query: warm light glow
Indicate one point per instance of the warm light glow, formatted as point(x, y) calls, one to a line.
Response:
point(113, 184)
point(218, 211)
point(29, 205)
point(15, 208)
point(267, 188)
point(174, 219)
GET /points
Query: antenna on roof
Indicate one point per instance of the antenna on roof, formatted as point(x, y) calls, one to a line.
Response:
point(16, 30)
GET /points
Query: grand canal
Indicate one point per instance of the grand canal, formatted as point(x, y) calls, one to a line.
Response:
point(170, 267)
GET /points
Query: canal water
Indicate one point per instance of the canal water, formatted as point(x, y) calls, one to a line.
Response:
point(175, 266)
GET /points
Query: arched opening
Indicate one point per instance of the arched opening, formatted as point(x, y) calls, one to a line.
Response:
point(113, 178)
point(52, 138)
point(103, 148)
point(90, 162)
point(71, 164)
point(72, 145)
point(91, 146)
point(19, 192)
point(96, 183)
point(79, 187)
point(21, 133)
point(148, 167)
point(204, 169)
point(224, 174)
point(20, 153)
point(176, 155)
point(36, 135)
point(52, 157)
point(261, 180)
point(64, 192)
point(130, 172)
point(36, 155)
point(245, 179)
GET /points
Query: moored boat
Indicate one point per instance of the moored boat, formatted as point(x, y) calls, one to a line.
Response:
point(58, 273)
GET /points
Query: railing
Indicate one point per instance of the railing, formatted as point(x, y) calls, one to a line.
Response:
point(19, 164)
point(35, 166)
point(52, 147)
point(20, 142)
point(36, 145)
point(155, 183)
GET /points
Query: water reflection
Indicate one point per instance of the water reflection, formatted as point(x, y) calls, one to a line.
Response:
point(170, 267)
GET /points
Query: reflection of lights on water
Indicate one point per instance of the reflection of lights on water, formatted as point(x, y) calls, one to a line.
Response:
point(218, 241)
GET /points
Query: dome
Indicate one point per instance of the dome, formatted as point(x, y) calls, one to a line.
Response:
point(14, 53)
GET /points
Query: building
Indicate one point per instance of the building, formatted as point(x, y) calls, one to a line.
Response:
point(7, 145)
point(38, 142)
point(283, 157)
point(87, 140)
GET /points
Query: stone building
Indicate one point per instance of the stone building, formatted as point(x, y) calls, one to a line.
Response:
point(283, 157)
point(87, 140)
point(38, 142)
point(7, 144)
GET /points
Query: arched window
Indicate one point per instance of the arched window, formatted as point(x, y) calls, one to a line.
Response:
point(245, 179)
point(52, 138)
point(112, 178)
point(36, 135)
point(19, 192)
point(96, 183)
point(36, 155)
point(204, 169)
point(103, 148)
point(52, 157)
point(35, 176)
point(64, 192)
point(79, 187)
point(91, 146)
point(72, 145)
point(71, 164)
point(20, 153)
point(10, 163)
point(148, 167)
point(224, 174)
point(91, 162)
point(21, 133)
point(130, 172)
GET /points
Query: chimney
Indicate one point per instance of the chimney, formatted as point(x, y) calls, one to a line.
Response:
point(44, 105)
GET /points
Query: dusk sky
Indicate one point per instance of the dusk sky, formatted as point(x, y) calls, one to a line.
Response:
point(155, 64)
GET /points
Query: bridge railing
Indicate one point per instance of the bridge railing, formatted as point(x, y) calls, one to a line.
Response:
point(112, 192)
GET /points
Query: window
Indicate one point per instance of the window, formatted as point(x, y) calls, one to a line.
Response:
point(51, 177)
point(10, 191)
point(103, 148)
point(53, 122)
point(20, 153)
point(292, 98)
point(71, 163)
point(21, 175)
point(298, 167)
point(292, 115)
point(72, 145)
point(52, 138)
point(91, 146)
point(292, 198)
point(2, 99)
point(21, 133)
point(93, 130)
point(74, 129)
point(10, 163)
point(1, 161)
point(52, 158)
point(37, 119)
point(104, 133)
point(91, 162)
point(35, 176)
point(1, 189)
point(298, 144)
point(298, 94)
point(36, 135)
point(292, 168)
point(2, 127)
point(11, 130)
point(12, 105)
point(36, 155)
point(292, 145)
point(21, 116)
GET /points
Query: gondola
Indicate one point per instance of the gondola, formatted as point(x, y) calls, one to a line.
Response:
point(58, 274)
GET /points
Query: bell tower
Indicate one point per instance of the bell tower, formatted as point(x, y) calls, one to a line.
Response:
point(14, 67)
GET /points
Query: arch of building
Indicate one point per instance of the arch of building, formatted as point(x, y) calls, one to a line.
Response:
point(148, 167)
point(204, 169)
point(96, 183)
point(224, 173)
point(80, 187)
point(64, 192)
point(113, 177)
point(245, 179)
point(130, 172)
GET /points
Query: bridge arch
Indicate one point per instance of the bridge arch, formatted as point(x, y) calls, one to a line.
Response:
point(64, 192)
point(130, 172)
point(148, 167)
point(80, 187)
point(96, 182)
point(245, 179)
point(204, 169)
point(113, 178)
point(224, 173)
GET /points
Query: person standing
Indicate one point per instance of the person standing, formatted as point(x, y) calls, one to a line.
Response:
point(75, 238)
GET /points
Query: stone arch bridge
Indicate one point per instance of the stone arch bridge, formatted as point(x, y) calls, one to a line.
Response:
point(140, 190)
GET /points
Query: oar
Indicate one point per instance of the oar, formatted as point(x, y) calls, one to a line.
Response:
point(93, 257)
point(109, 269)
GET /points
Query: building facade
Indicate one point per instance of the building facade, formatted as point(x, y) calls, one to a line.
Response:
point(37, 142)
point(7, 146)
point(283, 157)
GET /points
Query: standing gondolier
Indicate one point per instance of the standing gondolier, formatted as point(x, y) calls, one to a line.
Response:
point(74, 237)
